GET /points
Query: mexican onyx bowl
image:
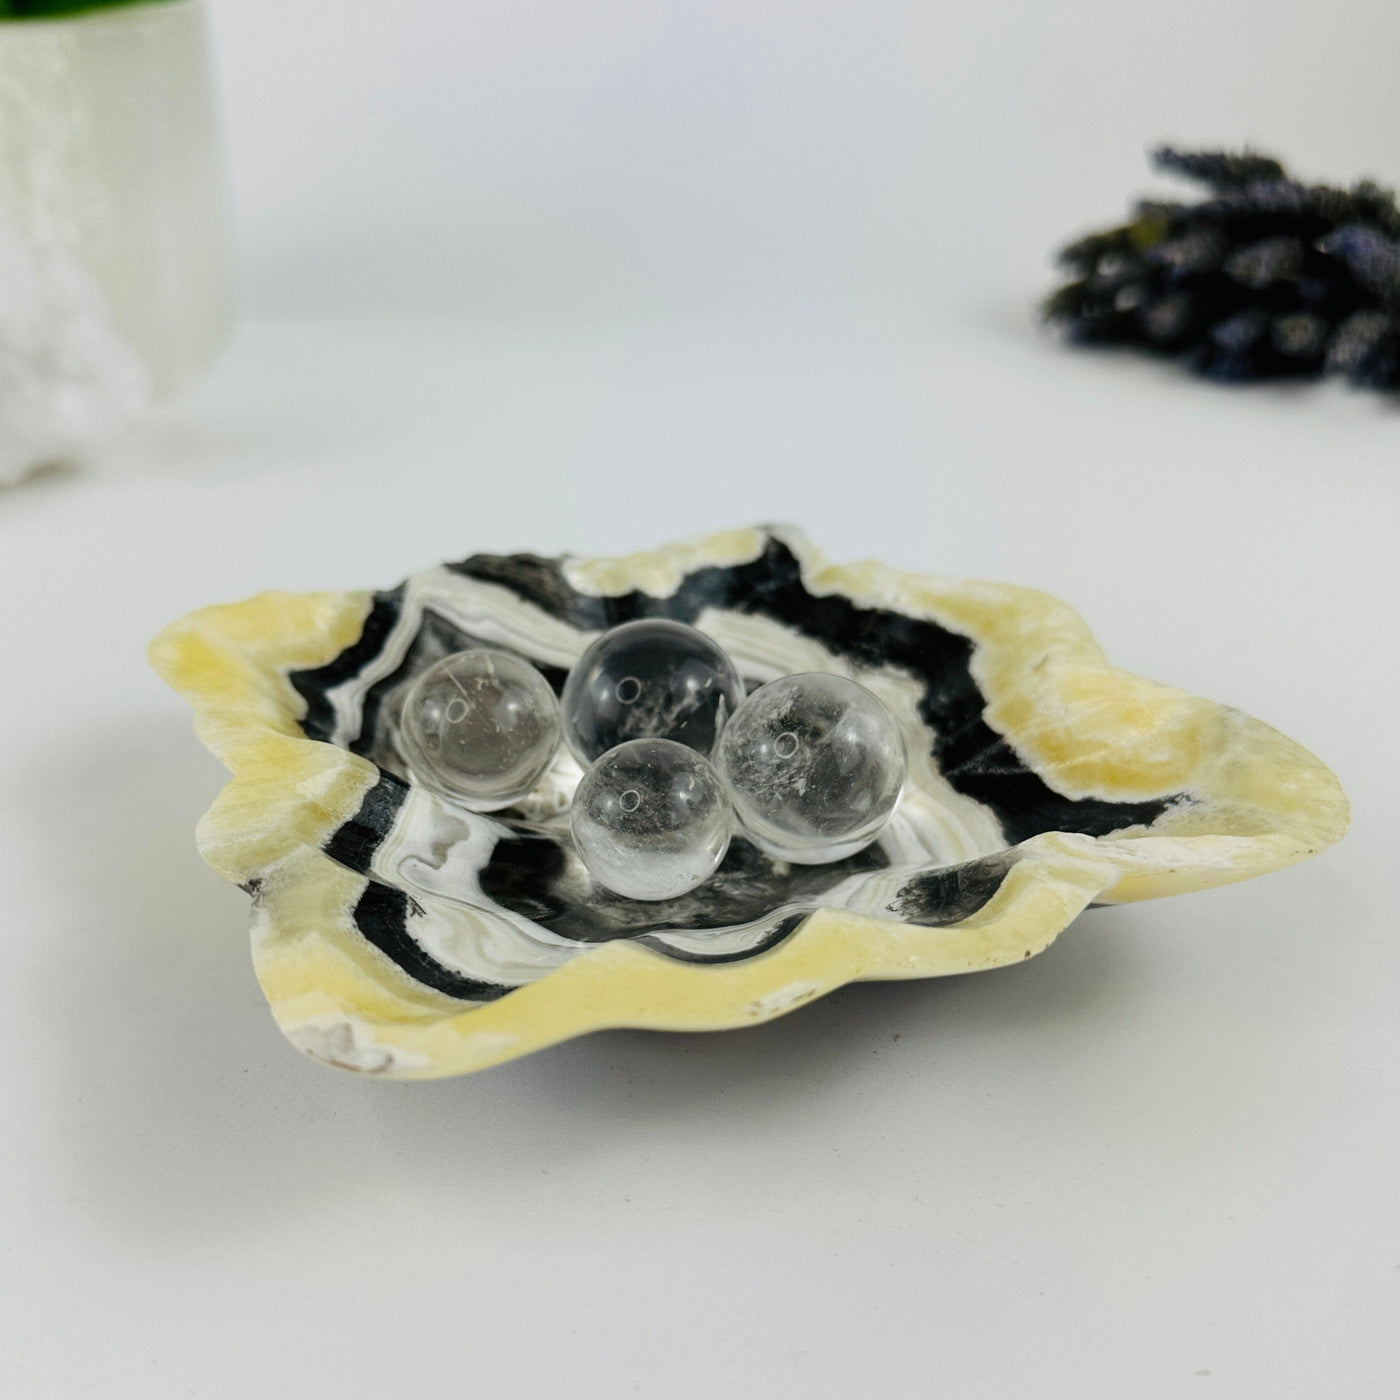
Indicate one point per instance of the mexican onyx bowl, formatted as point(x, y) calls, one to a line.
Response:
point(394, 934)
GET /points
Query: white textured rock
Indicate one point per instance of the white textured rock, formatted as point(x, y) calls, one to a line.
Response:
point(68, 378)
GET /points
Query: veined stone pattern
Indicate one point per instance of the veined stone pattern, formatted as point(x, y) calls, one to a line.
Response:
point(409, 937)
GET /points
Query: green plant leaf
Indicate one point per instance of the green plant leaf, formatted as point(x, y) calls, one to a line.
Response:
point(57, 9)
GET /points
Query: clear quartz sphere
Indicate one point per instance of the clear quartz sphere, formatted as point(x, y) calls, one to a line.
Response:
point(651, 820)
point(480, 727)
point(814, 765)
point(650, 679)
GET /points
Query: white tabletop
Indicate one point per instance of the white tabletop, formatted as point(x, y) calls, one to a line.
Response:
point(1158, 1161)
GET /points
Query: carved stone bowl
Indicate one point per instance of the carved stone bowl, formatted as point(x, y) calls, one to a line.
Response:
point(397, 935)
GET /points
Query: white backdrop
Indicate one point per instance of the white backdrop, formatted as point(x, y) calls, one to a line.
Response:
point(589, 276)
point(623, 157)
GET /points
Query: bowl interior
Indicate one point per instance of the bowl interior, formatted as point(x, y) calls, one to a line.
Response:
point(477, 904)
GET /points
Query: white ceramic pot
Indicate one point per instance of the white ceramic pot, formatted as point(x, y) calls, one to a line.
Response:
point(116, 281)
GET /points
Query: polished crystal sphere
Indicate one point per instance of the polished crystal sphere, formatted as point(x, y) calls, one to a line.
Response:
point(650, 819)
point(814, 765)
point(480, 727)
point(652, 679)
